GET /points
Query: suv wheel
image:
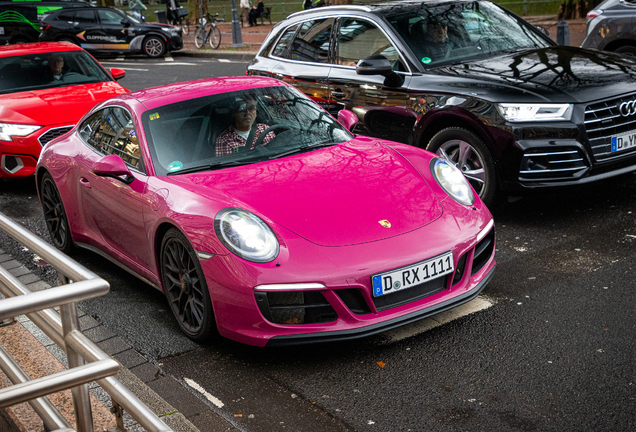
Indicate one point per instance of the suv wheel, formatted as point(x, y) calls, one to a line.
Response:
point(469, 153)
point(154, 47)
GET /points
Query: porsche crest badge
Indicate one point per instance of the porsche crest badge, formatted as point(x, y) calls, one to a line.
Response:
point(385, 223)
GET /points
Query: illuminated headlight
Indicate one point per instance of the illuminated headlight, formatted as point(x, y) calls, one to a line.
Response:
point(451, 179)
point(246, 235)
point(535, 112)
point(10, 130)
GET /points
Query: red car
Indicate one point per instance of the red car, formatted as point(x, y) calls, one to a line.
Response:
point(45, 88)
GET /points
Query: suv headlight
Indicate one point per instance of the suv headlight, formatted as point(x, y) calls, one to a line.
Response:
point(10, 130)
point(451, 179)
point(535, 112)
point(246, 235)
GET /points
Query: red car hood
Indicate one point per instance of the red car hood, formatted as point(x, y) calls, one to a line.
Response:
point(332, 197)
point(56, 105)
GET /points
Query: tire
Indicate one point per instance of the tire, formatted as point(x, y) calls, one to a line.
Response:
point(20, 40)
point(200, 34)
point(186, 288)
point(215, 37)
point(55, 215)
point(627, 50)
point(153, 47)
point(476, 161)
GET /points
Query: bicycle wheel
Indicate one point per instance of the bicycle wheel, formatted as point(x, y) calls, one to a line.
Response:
point(185, 28)
point(201, 35)
point(215, 37)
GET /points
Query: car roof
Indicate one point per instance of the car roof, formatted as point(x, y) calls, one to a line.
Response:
point(171, 93)
point(377, 8)
point(36, 48)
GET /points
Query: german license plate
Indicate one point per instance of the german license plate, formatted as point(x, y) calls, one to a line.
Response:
point(624, 141)
point(407, 277)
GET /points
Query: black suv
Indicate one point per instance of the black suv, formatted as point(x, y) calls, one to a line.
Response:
point(20, 20)
point(102, 29)
point(469, 81)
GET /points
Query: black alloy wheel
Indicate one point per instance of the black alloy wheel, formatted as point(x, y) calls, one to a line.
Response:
point(185, 287)
point(467, 152)
point(55, 215)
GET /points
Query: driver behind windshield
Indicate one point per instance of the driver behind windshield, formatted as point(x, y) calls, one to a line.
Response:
point(434, 42)
point(243, 128)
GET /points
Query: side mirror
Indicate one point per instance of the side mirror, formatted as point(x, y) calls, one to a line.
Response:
point(347, 118)
point(125, 23)
point(115, 167)
point(117, 73)
point(374, 65)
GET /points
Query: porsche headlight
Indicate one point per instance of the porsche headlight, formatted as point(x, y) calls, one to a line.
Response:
point(10, 130)
point(246, 235)
point(535, 112)
point(451, 179)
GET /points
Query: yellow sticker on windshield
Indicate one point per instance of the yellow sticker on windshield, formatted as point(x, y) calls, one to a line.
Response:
point(154, 116)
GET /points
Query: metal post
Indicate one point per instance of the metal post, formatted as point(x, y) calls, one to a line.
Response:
point(237, 39)
point(563, 33)
point(81, 399)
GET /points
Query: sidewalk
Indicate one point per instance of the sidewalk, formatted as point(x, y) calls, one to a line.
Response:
point(253, 37)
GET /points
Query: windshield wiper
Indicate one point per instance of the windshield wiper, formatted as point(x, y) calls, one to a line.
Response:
point(210, 167)
point(302, 149)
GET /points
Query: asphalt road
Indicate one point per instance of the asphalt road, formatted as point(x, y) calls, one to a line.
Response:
point(556, 351)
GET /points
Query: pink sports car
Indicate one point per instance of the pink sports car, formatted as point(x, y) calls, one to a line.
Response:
point(263, 218)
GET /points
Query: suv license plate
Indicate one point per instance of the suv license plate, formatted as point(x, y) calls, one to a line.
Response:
point(407, 277)
point(624, 141)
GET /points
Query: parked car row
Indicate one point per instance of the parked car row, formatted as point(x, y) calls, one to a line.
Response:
point(96, 29)
point(265, 219)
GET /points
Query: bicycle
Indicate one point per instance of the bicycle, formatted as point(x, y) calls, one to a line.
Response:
point(182, 22)
point(208, 31)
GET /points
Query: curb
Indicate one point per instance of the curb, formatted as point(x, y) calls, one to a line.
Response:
point(210, 53)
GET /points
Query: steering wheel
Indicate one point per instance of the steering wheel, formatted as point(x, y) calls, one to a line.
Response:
point(272, 128)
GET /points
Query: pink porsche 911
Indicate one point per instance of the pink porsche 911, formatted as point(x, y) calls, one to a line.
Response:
point(261, 217)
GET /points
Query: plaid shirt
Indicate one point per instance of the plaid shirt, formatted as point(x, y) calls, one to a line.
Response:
point(230, 139)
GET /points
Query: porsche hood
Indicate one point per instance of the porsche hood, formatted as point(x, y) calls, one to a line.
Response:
point(346, 194)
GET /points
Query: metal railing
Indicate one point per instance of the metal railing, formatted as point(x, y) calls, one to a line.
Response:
point(87, 362)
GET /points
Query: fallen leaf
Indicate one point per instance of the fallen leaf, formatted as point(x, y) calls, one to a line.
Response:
point(238, 415)
point(381, 364)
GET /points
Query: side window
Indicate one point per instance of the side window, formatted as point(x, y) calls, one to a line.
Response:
point(312, 41)
point(283, 42)
point(109, 17)
point(358, 39)
point(66, 16)
point(85, 16)
point(112, 131)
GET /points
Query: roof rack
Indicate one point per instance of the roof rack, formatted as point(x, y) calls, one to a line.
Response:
point(348, 7)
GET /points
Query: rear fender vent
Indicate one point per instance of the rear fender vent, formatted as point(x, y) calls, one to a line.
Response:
point(295, 307)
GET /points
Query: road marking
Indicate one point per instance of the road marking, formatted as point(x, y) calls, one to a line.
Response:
point(224, 60)
point(120, 58)
point(168, 59)
point(135, 69)
point(217, 402)
point(407, 331)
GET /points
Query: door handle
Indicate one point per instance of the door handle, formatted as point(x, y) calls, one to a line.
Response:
point(85, 182)
point(338, 94)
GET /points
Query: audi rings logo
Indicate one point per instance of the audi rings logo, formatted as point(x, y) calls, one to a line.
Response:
point(628, 108)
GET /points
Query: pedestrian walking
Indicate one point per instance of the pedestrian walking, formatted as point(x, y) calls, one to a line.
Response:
point(136, 6)
point(245, 9)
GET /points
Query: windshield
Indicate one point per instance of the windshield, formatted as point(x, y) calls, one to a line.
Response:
point(460, 31)
point(237, 128)
point(49, 70)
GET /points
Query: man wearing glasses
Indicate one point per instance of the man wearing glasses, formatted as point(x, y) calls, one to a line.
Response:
point(235, 137)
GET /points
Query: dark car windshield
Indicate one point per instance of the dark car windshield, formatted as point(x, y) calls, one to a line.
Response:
point(454, 32)
point(211, 132)
point(49, 70)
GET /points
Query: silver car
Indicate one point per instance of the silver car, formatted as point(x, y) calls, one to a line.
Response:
point(610, 27)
